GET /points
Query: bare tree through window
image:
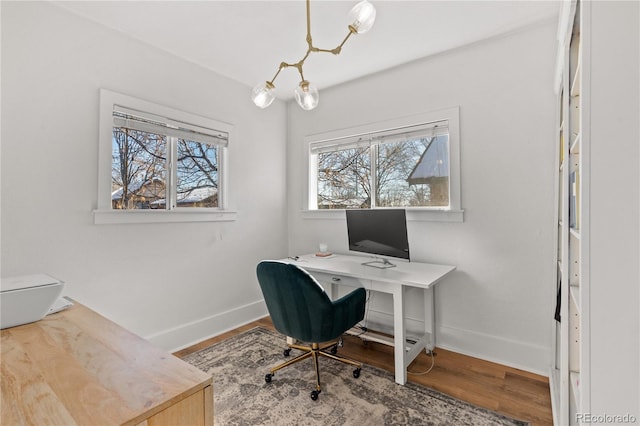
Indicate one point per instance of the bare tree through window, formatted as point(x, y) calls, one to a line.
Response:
point(344, 178)
point(197, 174)
point(139, 171)
point(407, 173)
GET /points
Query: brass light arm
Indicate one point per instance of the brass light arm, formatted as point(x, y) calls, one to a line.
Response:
point(311, 48)
point(336, 50)
point(362, 16)
point(284, 65)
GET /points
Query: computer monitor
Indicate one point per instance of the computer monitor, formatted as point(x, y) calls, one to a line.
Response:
point(380, 232)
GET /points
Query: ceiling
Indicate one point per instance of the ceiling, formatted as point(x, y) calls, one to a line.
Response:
point(247, 40)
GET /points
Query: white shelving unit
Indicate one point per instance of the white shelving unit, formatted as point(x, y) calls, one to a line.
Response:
point(569, 380)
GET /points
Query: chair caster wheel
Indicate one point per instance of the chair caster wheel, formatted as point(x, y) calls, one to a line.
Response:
point(334, 349)
point(314, 395)
point(356, 373)
point(287, 352)
point(267, 377)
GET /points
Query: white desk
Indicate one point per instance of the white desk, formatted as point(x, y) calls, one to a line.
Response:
point(341, 269)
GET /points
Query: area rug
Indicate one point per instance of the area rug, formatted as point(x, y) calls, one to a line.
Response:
point(242, 397)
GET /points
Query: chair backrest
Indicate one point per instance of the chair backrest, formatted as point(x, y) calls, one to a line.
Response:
point(297, 304)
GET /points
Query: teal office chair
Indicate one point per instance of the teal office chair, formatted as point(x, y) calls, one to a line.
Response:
point(300, 308)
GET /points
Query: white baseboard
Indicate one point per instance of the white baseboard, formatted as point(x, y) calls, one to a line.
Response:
point(512, 353)
point(188, 334)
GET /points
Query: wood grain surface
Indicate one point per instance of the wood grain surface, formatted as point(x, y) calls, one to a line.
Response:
point(77, 367)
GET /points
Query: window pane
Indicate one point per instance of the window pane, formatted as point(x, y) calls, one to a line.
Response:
point(413, 173)
point(343, 179)
point(197, 172)
point(138, 169)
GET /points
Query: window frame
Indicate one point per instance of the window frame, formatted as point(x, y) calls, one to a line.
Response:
point(452, 213)
point(105, 214)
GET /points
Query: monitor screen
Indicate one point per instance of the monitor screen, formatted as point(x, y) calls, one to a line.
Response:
point(378, 231)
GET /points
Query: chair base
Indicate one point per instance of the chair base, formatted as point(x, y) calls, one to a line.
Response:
point(315, 351)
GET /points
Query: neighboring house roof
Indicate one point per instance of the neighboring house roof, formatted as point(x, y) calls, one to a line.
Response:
point(134, 187)
point(116, 195)
point(194, 196)
point(434, 163)
point(349, 202)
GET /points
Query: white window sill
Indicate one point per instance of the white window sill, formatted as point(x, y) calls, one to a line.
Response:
point(107, 217)
point(413, 214)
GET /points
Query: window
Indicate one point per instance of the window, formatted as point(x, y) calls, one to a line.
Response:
point(161, 161)
point(410, 163)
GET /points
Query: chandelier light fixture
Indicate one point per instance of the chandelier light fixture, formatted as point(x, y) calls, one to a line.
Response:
point(361, 18)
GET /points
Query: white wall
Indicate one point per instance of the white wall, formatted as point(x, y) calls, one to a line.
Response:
point(174, 283)
point(614, 209)
point(499, 303)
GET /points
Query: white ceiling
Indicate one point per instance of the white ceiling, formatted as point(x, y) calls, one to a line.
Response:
point(247, 40)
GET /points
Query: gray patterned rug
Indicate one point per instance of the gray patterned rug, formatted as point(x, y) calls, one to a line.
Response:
point(242, 397)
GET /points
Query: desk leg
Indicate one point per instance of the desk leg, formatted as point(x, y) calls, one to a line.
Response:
point(430, 316)
point(333, 291)
point(399, 334)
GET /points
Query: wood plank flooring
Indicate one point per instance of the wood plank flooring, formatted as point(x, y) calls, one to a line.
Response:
point(509, 391)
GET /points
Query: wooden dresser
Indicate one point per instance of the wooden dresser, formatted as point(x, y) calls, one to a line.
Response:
point(76, 367)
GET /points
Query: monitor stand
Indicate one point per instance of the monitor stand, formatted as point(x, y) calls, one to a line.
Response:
point(380, 264)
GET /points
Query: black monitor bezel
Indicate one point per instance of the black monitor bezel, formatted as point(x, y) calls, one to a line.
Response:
point(393, 216)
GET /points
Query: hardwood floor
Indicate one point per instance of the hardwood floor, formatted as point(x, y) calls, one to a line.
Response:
point(509, 391)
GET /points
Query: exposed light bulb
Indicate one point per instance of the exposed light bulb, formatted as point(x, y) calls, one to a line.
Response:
point(262, 94)
point(361, 19)
point(307, 95)
point(362, 16)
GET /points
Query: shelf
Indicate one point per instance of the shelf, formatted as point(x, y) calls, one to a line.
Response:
point(575, 144)
point(575, 85)
point(374, 336)
point(572, 143)
point(575, 58)
point(575, 233)
point(574, 291)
